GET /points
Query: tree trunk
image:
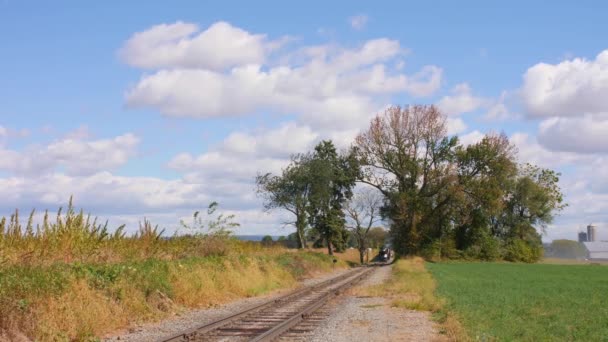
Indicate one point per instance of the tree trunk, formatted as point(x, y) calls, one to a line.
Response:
point(330, 249)
point(361, 255)
point(300, 227)
point(301, 240)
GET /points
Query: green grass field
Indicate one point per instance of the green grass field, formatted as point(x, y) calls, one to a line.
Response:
point(526, 302)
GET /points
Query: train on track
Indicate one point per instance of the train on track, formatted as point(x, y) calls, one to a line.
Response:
point(385, 254)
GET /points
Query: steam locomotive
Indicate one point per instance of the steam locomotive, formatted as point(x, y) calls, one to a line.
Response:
point(385, 253)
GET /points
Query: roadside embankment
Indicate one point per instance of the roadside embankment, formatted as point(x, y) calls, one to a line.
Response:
point(80, 301)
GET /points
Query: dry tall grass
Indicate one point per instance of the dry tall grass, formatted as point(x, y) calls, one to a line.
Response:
point(76, 237)
point(70, 279)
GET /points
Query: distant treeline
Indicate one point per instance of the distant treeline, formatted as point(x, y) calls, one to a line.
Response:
point(377, 238)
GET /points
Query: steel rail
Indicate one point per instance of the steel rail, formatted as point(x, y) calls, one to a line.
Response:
point(296, 319)
point(200, 330)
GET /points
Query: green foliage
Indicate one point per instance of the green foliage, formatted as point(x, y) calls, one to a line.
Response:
point(331, 187)
point(521, 302)
point(437, 190)
point(376, 237)
point(289, 191)
point(523, 251)
point(267, 240)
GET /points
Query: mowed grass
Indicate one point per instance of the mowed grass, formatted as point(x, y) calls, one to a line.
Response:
point(523, 302)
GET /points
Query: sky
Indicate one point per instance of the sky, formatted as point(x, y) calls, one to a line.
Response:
point(155, 109)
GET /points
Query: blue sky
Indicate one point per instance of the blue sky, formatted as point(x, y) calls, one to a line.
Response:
point(95, 104)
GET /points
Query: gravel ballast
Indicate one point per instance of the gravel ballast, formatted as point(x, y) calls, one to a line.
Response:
point(350, 318)
point(194, 318)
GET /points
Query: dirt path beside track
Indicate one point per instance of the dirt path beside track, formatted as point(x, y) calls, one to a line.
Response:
point(358, 318)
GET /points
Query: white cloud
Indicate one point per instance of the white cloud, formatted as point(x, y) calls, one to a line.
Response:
point(7, 133)
point(288, 139)
point(358, 22)
point(461, 101)
point(455, 126)
point(530, 151)
point(498, 109)
point(324, 84)
point(103, 191)
point(570, 88)
point(471, 138)
point(183, 45)
point(242, 155)
point(581, 135)
point(78, 157)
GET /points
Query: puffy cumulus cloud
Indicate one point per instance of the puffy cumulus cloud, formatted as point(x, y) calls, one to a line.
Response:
point(184, 45)
point(7, 133)
point(242, 155)
point(570, 88)
point(471, 138)
point(215, 164)
point(359, 21)
point(580, 135)
point(287, 139)
point(104, 192)
point(461, 101)
point(324, 84)
point(76, 156)
point(499, 109)
point(530, 151)
point(455, 126)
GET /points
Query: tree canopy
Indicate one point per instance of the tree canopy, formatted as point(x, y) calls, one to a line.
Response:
point(439, 197)
point(446, 199)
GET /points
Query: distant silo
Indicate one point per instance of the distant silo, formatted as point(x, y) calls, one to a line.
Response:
point(582, 237)
point(591, 233)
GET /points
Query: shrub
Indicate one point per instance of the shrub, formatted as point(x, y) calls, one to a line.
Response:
point(518, 250)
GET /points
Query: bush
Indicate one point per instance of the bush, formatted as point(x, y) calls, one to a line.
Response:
point(441, 249)
point(522, 251)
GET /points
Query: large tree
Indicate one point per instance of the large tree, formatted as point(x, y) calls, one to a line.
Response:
point(407, 155)
point(444, 197)
point(485, 175)
point(531, 205)
point(290, 191)
point(332, 183)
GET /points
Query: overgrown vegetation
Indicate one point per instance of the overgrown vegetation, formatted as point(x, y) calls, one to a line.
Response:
point(449, 200)
point(520, 302)
point(70, 278)
point(442, 199)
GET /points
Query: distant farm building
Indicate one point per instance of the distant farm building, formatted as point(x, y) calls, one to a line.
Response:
point(589, 235)
point(591, 229)
point(597, 250)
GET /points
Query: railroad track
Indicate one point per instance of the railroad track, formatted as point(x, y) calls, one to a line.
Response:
point(273, 319)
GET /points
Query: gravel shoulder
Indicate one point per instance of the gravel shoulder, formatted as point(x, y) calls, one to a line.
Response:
point(193, 318)
point(357, 318)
